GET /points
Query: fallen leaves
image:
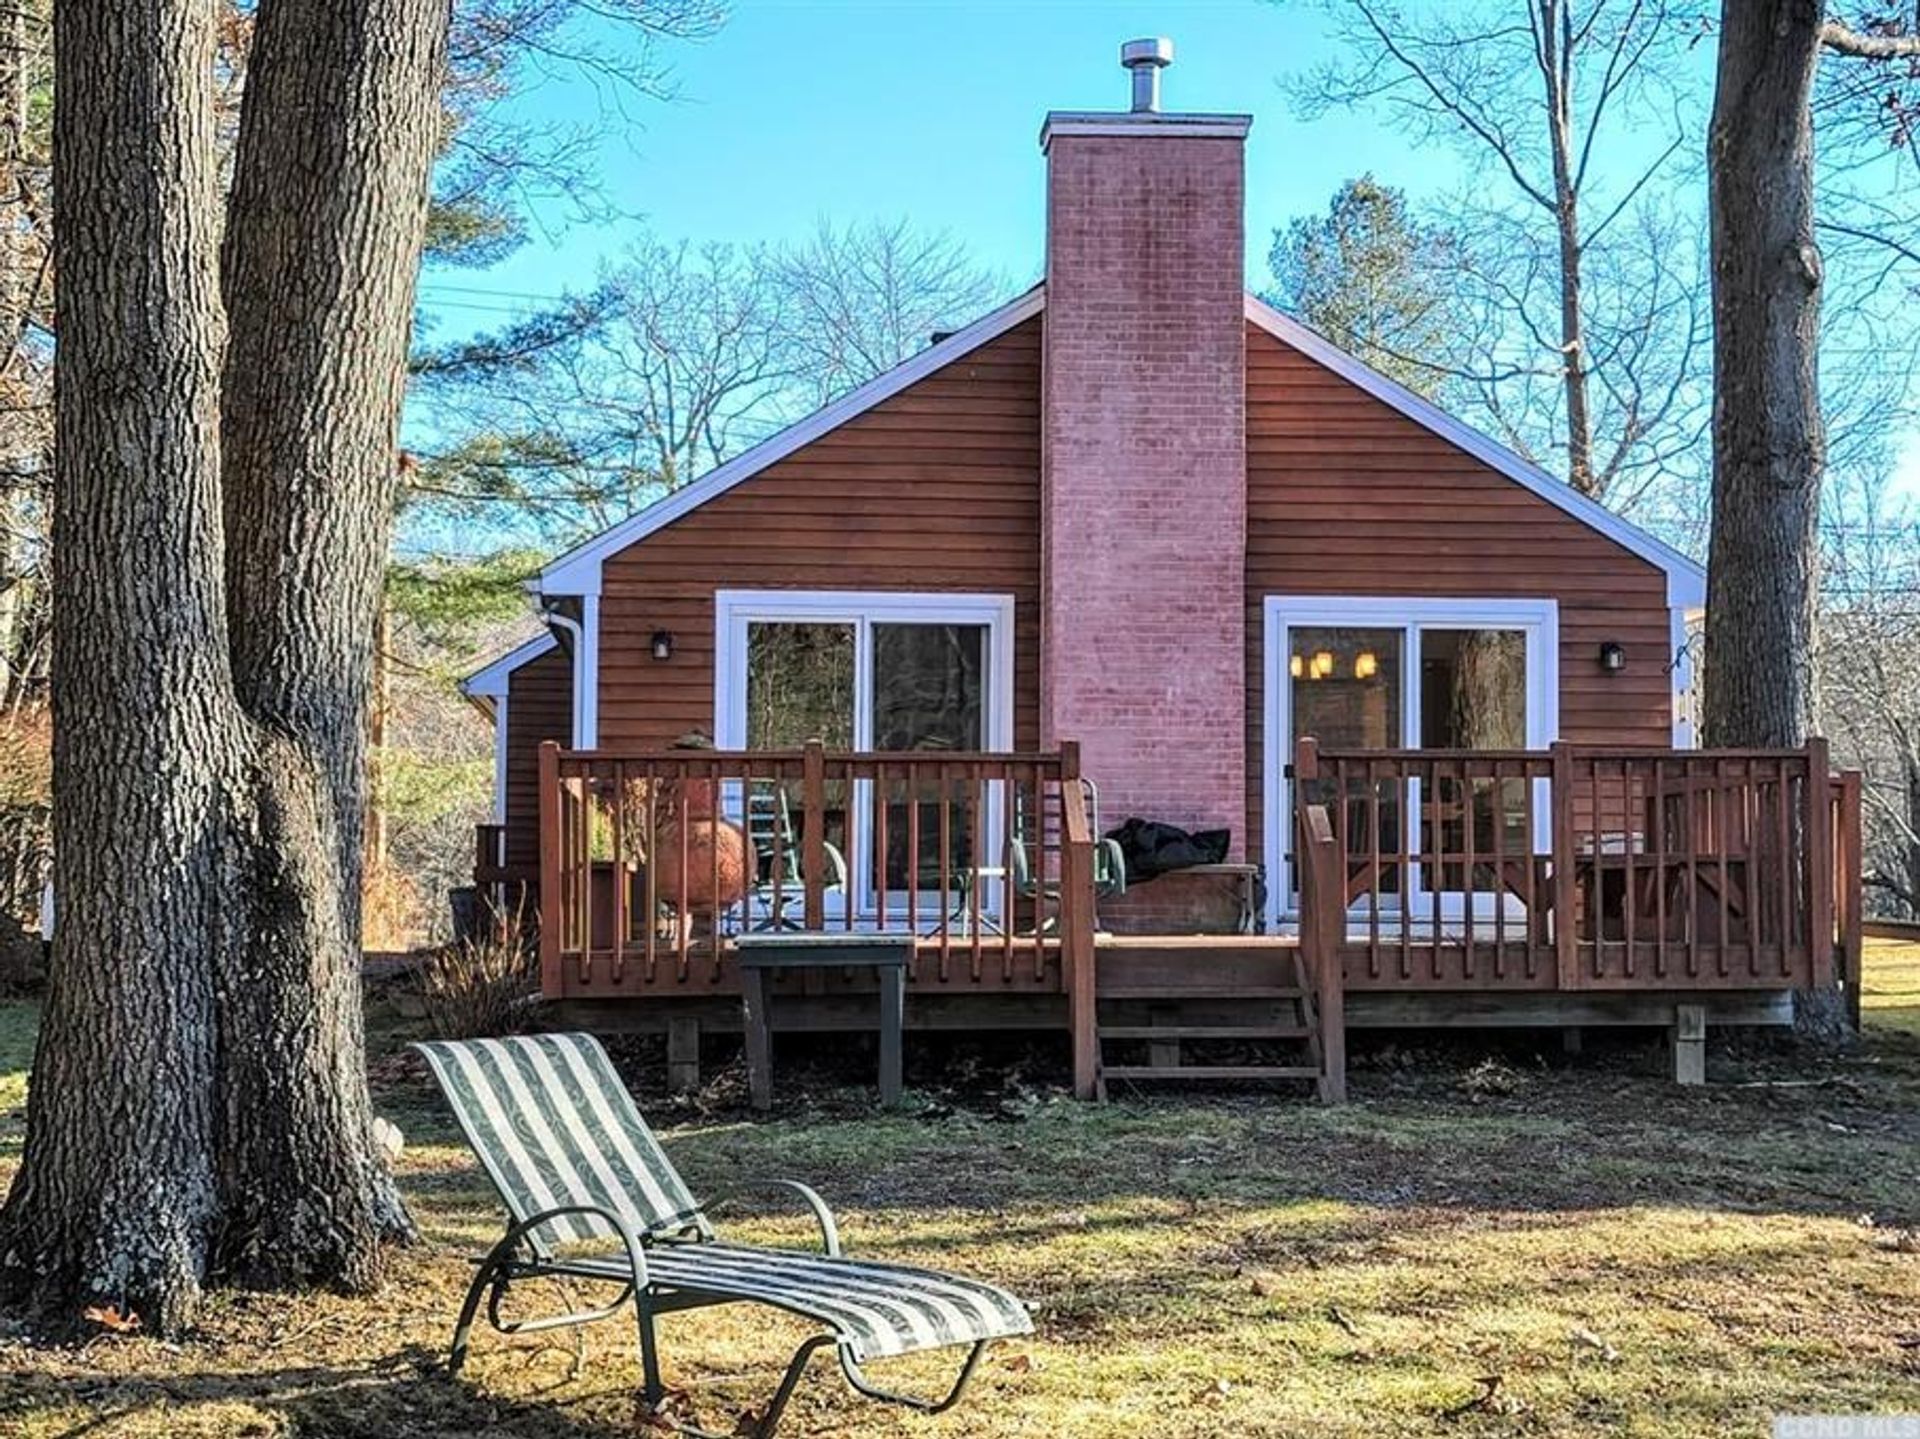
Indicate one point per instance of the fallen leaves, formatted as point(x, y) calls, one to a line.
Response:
point(109, 1317)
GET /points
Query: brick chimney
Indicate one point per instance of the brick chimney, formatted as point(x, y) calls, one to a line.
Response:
point(1144, 465)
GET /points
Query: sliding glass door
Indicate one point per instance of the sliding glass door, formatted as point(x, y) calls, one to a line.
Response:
point(1366, 673)
point(909, 673)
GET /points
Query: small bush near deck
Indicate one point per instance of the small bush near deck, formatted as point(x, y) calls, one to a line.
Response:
point(479, 986)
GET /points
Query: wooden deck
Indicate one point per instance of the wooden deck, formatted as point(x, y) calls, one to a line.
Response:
point(1574, 876)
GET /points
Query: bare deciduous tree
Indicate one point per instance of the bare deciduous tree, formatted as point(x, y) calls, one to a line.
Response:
point(682, 358)
point(858, 299)
point(1869, 645)
point(1546, 97)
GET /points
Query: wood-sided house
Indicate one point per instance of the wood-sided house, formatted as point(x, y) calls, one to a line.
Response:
point(1138, 540)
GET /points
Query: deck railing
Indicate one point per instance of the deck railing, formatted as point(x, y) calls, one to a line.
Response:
point(1582, 867)
point(652, 862)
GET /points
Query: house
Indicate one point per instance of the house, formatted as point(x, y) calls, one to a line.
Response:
point(1137, 530)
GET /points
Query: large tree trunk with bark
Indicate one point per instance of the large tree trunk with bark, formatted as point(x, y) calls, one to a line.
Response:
point(326, 220)
point(1769, 447)
point(199, 1103)
point(117, 1198)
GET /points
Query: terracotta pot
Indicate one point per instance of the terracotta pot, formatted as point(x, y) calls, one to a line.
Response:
point(717, 855)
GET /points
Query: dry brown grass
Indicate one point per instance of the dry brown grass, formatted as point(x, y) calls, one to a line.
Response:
point(1576, 1251)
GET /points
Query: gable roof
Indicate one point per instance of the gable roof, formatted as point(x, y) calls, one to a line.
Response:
point(1686, 578)
point(489, 682)
point(577, 572)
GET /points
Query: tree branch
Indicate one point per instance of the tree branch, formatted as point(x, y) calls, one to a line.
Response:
point(1844, 40)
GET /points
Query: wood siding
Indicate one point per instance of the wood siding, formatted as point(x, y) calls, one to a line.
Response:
point(937, 488)
point(539, 707)
point(1346, 496)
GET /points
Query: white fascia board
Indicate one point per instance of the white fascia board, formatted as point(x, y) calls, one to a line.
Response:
point(1686, 578)
point(577, 572)
point(491, 680)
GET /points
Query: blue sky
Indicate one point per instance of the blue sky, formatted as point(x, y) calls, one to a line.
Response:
point(857, 109)
point(854, 110)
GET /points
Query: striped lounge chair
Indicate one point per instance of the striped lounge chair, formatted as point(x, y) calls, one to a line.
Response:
point(575, 1163)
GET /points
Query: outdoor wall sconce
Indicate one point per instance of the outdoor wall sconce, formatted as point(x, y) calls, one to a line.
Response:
point(662, 645)
point(1613, 656)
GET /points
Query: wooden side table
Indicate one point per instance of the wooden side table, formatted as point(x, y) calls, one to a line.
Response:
point(888, 955)
point(1245, 879)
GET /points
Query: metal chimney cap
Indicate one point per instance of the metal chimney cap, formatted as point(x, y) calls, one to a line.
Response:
point(1145, 59)
point(1157, 52)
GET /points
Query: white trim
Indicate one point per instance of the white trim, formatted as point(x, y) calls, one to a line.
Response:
point(1135, 125)
point(586, 688)
point(1540, 618)
point(1686, 579)
point(1680, 662)
point(734, 610)
point(490, 681)
point(500, 758)
point(577, 572)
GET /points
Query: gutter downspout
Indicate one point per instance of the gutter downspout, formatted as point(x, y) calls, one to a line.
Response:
point(556, 617)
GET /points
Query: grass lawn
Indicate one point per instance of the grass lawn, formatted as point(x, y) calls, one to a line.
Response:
point(1473, 1247)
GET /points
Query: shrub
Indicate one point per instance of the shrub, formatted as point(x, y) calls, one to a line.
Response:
point(481, 986)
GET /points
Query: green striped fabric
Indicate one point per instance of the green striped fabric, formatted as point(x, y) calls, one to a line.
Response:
point(876, 1310)
point(554, 1126)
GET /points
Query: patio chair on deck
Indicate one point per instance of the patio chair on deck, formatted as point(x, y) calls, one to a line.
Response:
point(574, 1163)
point(777, 851)
point(1024, 874)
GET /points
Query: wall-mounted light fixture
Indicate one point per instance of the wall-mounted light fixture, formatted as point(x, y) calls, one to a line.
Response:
point(1613, 656)
point(663, 644)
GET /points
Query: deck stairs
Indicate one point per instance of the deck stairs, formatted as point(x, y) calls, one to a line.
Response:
point(1176, 1014)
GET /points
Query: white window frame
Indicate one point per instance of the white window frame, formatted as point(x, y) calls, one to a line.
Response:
point(736, 610)
point(1539, 619)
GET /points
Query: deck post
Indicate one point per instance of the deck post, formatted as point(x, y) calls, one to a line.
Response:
point(1689, 1044)
point(1323, 922)
point(813, 832)
point(1076, 936)
point(1851, 899)
point(683, 1053)
point(1819, 863)
point(550, 842)
point(1306, 761)
point(1566, 937)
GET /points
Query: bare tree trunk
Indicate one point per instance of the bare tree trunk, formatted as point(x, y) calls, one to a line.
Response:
point(1769, 447)
point(117, 1195)
point(1554, 27)
point(326, 221)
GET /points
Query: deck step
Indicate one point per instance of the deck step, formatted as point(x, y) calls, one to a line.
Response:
point(1210, 1071)
point(1203, 1031)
